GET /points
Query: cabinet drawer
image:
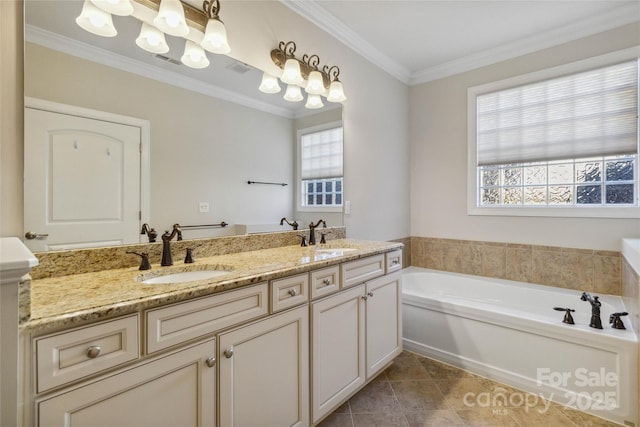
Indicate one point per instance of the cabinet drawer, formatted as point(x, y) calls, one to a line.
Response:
point(71, 355)
point(177, 323)
point(289, 292)
point(325, 281)
point(358, 271)
point(394, 261)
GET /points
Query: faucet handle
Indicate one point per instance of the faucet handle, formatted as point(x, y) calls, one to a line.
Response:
point(303, 238)
point(188, 259)
point(144, 263)
point(568, 318)
point(322, 237)
point(616, 321)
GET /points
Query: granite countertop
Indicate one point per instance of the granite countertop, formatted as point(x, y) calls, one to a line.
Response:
point(66, 301)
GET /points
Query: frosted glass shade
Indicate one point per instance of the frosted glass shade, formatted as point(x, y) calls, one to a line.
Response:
point(336, 92)
point(170, 18)
point(215, 37)
point(115, 7)
point(291, 74)
point(151, 39)
point(293, 94)
point(96, 21)
point(315, 85)
point(313, 102)
point(194, 56)
point(269, 84)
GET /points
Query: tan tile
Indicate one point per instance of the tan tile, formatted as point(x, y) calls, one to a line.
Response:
point(421, 395)
point(380, 420)
point(577, 270)
point(461, 393)
point(607, 275)
point(343, 409)
point(539, 417)
point(471, 262)
point(487, 417)
point(452, 257)
point(546, 266)
point(406, 367)
point(433, 254)
point(518, 262)
point(337, 420)
point(376, 397)
point(582, 419)
point(494, 261)
point(435, 418)
point(438, 370)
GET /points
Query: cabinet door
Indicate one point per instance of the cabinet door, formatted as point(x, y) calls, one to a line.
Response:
point(338, 362)
point(174, 390)
point(384, 321)
point(264, 372)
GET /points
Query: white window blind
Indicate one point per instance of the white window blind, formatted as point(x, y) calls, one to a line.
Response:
point(592, 113)
point(321, 154)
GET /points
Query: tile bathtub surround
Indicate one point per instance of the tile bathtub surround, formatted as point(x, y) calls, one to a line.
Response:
point(62, 263)
point(416, 391)
point(579, 269)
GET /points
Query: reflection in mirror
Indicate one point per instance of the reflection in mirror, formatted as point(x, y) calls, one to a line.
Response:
point(209, 131)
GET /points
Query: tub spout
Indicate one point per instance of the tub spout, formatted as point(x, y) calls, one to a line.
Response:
point(595, 310)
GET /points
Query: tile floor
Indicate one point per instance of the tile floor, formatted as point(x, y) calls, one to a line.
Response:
point(417, 392)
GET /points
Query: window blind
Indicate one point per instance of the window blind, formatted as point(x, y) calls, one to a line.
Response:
point(321, 154)
point(592, 113)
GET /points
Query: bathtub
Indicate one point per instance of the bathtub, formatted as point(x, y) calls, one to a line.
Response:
point(509, 332)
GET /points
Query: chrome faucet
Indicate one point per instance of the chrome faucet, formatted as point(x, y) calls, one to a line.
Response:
point(312, 230)
point(167, 259)
point(294, 224)
point(595, 310)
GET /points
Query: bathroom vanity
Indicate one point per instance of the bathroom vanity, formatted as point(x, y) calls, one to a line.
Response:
point(284, 338)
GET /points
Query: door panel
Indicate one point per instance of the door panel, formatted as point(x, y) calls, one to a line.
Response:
point(82, 181)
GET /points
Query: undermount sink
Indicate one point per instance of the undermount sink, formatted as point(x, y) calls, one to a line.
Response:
point(185, 276)
point(335, 251)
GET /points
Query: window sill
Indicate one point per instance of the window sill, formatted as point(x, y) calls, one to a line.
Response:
point(337, 209)
point(632, 212)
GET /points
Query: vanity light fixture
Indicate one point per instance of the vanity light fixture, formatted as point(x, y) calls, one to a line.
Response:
point(305, 73)
point(201, 29)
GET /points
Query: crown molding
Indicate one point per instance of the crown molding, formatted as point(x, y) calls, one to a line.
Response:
point(616, 18)
point(91, 53)
point(310, 10)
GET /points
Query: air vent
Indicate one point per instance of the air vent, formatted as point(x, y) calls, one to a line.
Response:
point(167, 59)
point(238, 67)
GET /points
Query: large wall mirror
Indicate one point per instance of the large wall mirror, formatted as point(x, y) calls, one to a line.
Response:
point(210, 131)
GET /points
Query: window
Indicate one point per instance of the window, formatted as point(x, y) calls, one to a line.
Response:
point(565, 139)
point(320, 168)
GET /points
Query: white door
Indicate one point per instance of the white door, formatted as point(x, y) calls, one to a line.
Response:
point(81, 181)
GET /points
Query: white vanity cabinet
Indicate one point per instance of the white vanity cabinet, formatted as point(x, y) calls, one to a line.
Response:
point(355, 332)
point(178, 389)
point(264, 372)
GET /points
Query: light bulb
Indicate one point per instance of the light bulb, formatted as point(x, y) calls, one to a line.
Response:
point(269, 84)
point(194, 56)
point(315, 85)
point(151, 39)
point(291, 73)
point(116, 7)
point(293, 94)
point(96, 21)
point(336, 92)
point(314, 102)
point(170, 18)
point(215, 37)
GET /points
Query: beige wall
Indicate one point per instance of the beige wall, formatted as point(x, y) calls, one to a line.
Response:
point(438, 134)
point(375, 119)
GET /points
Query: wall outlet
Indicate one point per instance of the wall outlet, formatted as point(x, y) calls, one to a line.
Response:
point(203, 207)
point(347, 207)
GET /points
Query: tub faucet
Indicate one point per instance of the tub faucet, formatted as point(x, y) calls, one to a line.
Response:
point(312, 230)
point(595, 310)
point(293, 224)
point(167, 259)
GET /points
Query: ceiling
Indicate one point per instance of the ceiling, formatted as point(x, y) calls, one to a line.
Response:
point(422, 40)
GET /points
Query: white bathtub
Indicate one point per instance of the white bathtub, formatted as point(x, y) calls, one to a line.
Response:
point(508, 331)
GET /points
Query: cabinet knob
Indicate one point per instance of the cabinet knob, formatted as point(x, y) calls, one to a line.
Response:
point(370, 294)
point(93, 351)
point(364, 297)
point(228, 353)
point(210, 362)
point(292, 292)
point(326, 282)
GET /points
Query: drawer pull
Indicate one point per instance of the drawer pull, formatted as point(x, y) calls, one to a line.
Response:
point(93, 351)
point(326, 282)
point(210, 362)
point(292, 292)
point(228, 353)
point(395, 262)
